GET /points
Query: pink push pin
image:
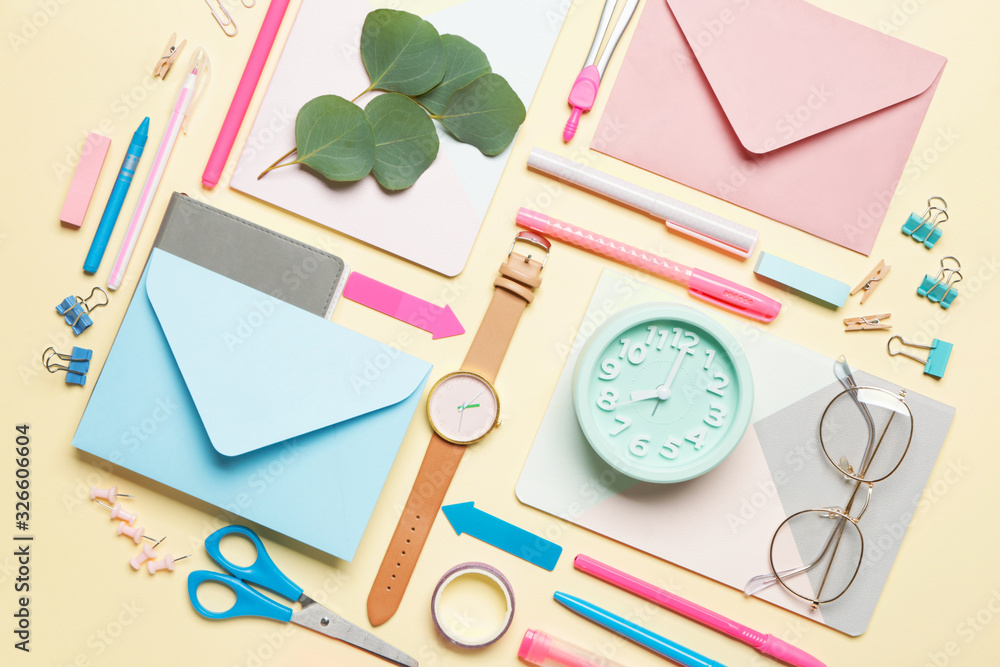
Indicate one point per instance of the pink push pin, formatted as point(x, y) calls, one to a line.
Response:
point(165, 563)
point(135, 533)
point(111, 495)
point(118, 513)
point(147, 553)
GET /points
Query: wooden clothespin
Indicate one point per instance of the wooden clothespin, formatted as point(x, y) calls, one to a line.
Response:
point(867, 322)
point(870, 282)
point(170, 54)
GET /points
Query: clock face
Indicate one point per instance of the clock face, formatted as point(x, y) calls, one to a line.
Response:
point(463, 407)
point(663, 393)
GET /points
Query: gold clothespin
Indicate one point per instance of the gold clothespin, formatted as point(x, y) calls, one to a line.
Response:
point(170, 54)
point(870, 282)
point(867, 322)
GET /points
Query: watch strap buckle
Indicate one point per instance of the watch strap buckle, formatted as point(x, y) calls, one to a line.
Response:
point(534, 239)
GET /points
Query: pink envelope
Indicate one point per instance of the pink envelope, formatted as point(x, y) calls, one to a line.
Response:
point(774, 105)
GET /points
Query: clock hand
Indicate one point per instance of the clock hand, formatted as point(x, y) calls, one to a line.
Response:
point(641, 395)
point(461, 409)
point(665, 394)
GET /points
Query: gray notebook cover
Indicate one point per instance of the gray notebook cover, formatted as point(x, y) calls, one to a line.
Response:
point(258, 257)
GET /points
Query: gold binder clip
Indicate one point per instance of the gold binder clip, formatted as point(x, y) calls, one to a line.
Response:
point(871, 281)
point(170, 55)
point(867, 322)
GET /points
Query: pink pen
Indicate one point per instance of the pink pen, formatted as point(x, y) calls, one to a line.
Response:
point(244, 93)
point(766, 644)
point(701, 284)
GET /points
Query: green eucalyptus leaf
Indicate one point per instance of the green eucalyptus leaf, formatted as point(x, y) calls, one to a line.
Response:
point(486, 113)
point(333, 137)
point(402, 52)
point(406, 141)
point(466, 62)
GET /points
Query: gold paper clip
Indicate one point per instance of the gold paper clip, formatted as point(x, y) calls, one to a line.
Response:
point(225, 21)
point(170, 54)
point(871, 281)
point(867, 322)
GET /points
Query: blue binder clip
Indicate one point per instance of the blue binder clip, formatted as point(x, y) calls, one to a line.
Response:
point(78, 360)
point(939, 352)
point(76, 310)
point(941, 288)
point(924, 228)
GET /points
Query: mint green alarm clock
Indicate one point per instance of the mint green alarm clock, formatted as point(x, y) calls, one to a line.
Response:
point(662, 392)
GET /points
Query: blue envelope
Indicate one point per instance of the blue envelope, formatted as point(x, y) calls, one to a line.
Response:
point(252, 404)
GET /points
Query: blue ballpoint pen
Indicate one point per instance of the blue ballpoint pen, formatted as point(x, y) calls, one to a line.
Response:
point(117, 198)
point(629, 630)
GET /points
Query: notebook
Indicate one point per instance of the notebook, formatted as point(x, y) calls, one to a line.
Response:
point(243, 395)
point(435, 222)
point(720, 524)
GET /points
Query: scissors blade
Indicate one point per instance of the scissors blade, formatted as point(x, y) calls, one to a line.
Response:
point(317, 617)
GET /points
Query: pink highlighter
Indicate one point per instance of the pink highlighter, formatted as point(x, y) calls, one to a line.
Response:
point(540, 649)
point(584, 92)
point(702, 285)
point(766, 644)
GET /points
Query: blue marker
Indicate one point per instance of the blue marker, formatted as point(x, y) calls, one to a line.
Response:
point(629, 630)
point(117, 198)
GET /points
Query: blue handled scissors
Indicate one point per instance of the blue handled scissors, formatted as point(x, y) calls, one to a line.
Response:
point(251, 602)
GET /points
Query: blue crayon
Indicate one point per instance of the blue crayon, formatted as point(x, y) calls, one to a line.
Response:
point(117, 198)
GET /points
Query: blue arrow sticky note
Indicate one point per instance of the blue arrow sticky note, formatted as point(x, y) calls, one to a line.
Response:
point(465, 518)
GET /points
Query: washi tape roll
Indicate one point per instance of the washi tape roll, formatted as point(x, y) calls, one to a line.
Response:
point(456, 622)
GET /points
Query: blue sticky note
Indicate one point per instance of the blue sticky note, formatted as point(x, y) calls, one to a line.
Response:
point(806, 282)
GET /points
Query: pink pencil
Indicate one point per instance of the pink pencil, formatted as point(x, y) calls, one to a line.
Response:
point(182, 108)
point(244, 93)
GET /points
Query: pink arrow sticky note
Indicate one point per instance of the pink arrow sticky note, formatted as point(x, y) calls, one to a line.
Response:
point(440, 322)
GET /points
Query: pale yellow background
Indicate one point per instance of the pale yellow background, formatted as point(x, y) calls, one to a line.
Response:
point(69, 66)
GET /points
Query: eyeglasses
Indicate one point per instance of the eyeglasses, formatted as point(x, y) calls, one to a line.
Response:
point(816, 554)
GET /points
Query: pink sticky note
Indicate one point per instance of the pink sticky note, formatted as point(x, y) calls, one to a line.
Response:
point(81, 189)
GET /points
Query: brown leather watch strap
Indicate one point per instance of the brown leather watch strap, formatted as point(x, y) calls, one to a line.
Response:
point(519, 276)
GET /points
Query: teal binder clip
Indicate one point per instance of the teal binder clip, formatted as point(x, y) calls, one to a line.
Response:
point(939, 352)
point(924, 228)
point(78, 360)
point(941, 288)
point(76, 310)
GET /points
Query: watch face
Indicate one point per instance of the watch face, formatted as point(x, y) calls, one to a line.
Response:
point(463, 407)
point(663, 393)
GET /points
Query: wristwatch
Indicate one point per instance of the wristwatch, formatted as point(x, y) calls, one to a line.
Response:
point(463, 407)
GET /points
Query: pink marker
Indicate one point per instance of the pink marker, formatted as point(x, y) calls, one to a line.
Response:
point(244, 93)
point(190, 91)
point(766, 644)
point(541, 649)
point(584, 92)
point(701, 284)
